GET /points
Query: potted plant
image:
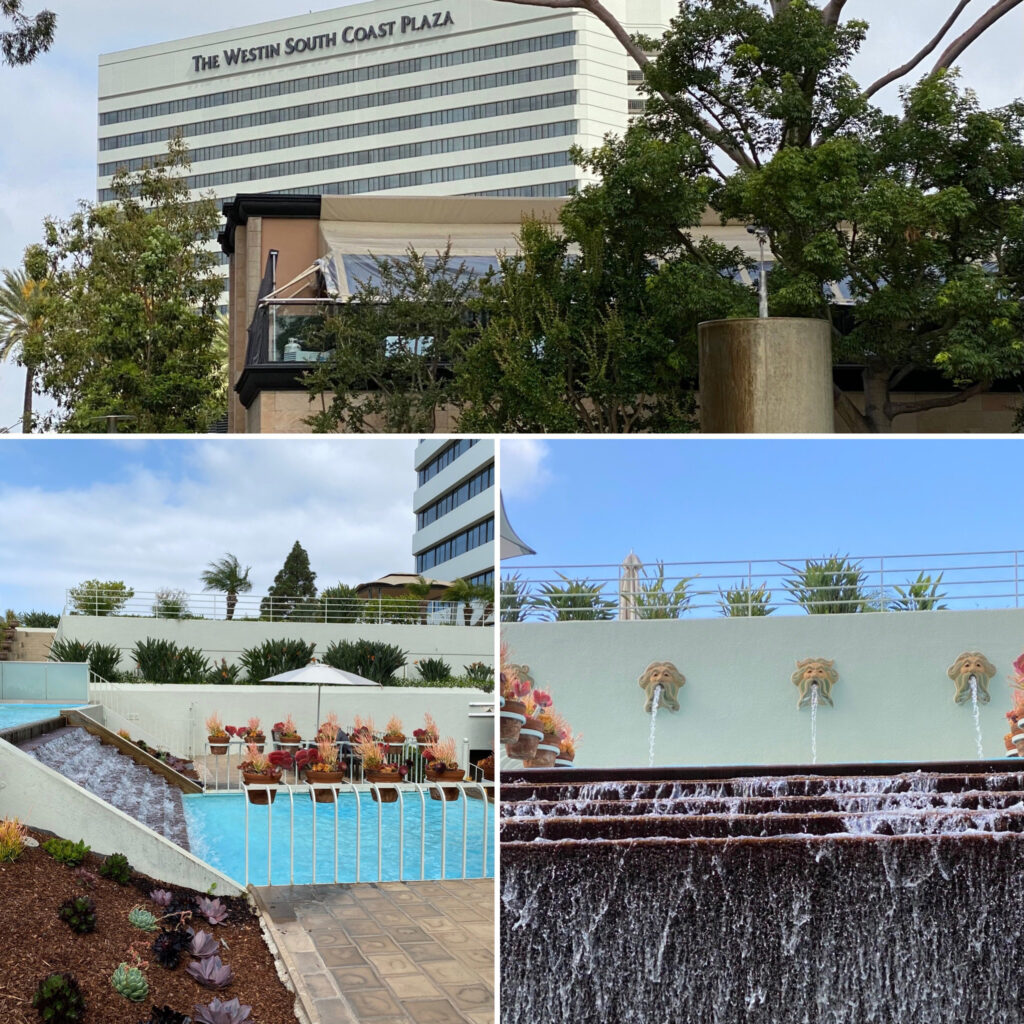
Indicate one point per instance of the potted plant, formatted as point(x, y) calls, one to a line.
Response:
point(393, 735)
point(486, 767)
point(328, 728)
point(253, 734)
point(257, 770)
point(275, 731)
point(377, 770)
point(216, 734)
point(550, 723)
point(324, 769)
point(513, 708)
point(428, 734)
point(289, 734)
point(567, 747)
point(1011, 747)
point(443, 766)
point(525, 745)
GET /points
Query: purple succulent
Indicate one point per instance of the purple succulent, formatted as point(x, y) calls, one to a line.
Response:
point(203, 945)
point(210, 972)
point(213, 910)
point(161, 897)
point(217, 1012)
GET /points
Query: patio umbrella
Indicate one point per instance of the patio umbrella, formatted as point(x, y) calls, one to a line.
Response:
point(629, 587)
point(320, 675)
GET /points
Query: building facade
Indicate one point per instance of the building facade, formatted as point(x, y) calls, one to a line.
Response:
point(454, 504)
point(418, 97)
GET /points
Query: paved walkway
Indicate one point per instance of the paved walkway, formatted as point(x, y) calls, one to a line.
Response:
point(389, 952)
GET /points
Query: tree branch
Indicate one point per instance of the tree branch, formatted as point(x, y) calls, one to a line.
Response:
point(831, 11)
point(986, 21)
point(848, 412)
point(894, 409)
point(905, 69)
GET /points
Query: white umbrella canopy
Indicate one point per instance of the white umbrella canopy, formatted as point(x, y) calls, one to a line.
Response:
point(318, 674)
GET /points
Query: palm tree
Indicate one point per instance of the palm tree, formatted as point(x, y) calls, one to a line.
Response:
point(226, 574)
point(19, 321)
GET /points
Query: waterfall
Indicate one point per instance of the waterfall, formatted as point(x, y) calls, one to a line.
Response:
point(654, 722)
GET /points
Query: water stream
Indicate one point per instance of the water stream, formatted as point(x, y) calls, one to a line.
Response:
point(814, 723)
point(977, 717)
point(654, 722)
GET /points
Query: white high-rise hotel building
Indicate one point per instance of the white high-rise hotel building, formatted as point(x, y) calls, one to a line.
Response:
point(442, 97)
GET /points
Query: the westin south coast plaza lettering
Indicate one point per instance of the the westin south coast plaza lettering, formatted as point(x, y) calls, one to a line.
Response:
point(325, 41)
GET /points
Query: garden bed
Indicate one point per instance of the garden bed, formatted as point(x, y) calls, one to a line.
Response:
point(37, 943)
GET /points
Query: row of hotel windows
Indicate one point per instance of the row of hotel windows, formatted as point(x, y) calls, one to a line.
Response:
point(471, 55)
point(476, 484)
point(445, 458)
point(325, 108)
point(438, 175)
point(384, 154)
point(474, 537)
point(342, 132)
point(483, 579)
point(547, 190)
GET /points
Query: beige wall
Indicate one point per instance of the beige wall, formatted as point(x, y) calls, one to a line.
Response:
point(285, 412)
point(982, 414)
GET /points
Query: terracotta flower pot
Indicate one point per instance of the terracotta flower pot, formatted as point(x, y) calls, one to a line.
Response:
point(394, 738)
point(513, 718)
point(323, 796)
point(1018, 742)
point(218, 744)
point(525, 746)
point(444, 775)
point(545, 756)
point(486, 765)
point(257, 739)
point(260, 796)
point(564, 760)
point(386, 794)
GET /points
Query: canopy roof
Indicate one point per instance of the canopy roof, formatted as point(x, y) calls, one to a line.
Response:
point(317, 674)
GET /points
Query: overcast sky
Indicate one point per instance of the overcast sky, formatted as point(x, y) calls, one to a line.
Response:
point(48, 116)
point(156, 513)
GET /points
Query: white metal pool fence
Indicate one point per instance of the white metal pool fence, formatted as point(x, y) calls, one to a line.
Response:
point(408, 611)
point(782, 586)
point(413, 792)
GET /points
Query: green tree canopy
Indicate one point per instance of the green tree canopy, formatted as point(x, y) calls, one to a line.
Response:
point(28, 35)
point(130, 321)
point(100, 597)
point(293, 589)
point(227, 575)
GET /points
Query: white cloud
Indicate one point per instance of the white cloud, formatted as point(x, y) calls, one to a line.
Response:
point(523, 473)
point(347, 500)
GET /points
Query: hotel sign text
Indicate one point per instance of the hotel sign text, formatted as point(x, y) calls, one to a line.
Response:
point(325, 41)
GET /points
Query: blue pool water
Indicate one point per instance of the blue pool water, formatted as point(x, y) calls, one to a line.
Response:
point(216, 829)
point(21, 714)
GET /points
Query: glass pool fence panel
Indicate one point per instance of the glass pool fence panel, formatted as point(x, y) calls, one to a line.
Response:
point(787, 586)
point(408, 611)
point(172, 733)
point(473, 799)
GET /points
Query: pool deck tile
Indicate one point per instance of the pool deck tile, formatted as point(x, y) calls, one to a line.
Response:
point(389, 953)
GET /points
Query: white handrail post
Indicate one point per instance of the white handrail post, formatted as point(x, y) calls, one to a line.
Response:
point(247, 841)
point(401, 836)
point(291, 837)
point(465, 823)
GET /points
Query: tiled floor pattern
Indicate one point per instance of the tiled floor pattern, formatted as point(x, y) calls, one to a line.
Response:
point(389, 953)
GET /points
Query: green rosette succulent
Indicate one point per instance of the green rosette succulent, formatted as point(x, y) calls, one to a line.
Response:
point(130, 982)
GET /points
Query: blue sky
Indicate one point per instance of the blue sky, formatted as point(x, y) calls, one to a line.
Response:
point(156, 513)
point(696, 499)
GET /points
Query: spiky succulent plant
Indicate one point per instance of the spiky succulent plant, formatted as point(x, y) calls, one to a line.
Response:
point(213, 910)
point(168, 947)
point(79, 914)
point(203, 945)
point(211, 972)
point(139, 917)
point(117, 869)
point(130, 982)
point(216, 1012)
point(59, 1000)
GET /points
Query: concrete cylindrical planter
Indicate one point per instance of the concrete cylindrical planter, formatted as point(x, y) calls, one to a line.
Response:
point(218, 745)
point(525, 745)
point(386, 793)
point(260, 796)
point(444, 775)
point(771, 376)
point(545, 756)
point(323, 796)
point(513, 718)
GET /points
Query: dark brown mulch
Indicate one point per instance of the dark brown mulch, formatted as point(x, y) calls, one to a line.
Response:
point(34, 942)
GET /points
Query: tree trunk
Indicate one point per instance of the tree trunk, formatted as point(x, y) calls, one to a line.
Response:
point(232, 601)
point(26, 413)
point(876, 400)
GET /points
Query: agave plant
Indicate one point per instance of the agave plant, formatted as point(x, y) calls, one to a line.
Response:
point(213, 910)
point(211, 972)
point(203, 945)
point(216, 1012)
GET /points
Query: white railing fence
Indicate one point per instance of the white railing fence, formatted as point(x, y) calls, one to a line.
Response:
point(171, 732)
point(250, 607)
point(783, 586)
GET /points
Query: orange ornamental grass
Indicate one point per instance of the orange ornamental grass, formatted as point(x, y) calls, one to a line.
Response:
point(329, 727)
point(328, 757)
point(215, 725)
point(394, 726)
point(442, 752)
point(372, 754)
point(12, 839)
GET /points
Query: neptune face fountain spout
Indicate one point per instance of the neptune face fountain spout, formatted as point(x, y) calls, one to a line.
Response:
point(819, 673)
point(971, 666)
point(662, 676)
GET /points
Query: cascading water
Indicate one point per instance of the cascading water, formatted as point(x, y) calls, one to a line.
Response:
point(977, 717)
point(654, 721)
point(814, 723)
point(673, 898)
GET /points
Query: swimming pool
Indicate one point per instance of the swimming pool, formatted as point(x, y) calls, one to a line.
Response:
point(21, 714)
point(216, 828)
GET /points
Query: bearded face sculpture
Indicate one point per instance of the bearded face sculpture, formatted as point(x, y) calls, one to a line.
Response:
point(971, 663)
point(818, 672)
point(669, 678)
